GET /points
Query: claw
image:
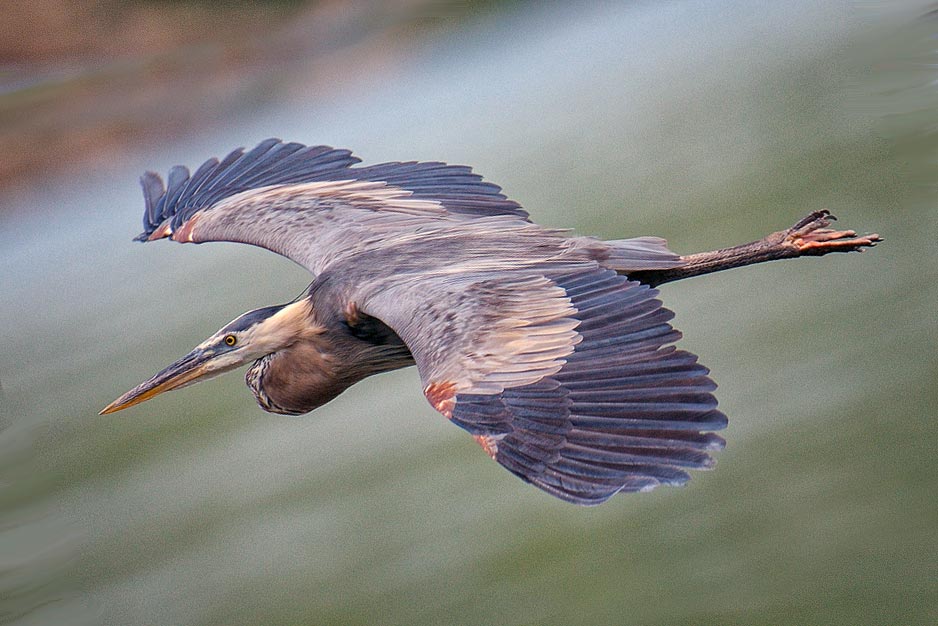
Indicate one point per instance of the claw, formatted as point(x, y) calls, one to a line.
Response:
point(813, 221)
point(811, 237)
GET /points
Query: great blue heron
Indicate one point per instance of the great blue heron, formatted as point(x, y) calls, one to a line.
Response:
point(552, 350)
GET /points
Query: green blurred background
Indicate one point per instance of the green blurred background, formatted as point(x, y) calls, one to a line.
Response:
point(709, 123)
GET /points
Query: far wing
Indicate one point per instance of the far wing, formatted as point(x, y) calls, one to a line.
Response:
point(309, 202)
point(566, 377)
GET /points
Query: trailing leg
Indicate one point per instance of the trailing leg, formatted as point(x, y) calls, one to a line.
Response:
point(809, 237)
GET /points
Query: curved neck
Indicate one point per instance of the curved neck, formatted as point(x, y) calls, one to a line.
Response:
point(314, 370)
point(295, 380)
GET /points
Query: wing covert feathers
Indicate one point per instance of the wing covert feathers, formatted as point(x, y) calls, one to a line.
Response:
point(273, 162)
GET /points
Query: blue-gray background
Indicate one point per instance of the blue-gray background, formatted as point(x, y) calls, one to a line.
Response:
point(708, 123)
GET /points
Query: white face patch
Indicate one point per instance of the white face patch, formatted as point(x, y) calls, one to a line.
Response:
point(292, 322)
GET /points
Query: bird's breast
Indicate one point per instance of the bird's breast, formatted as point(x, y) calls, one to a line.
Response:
point(309, 374)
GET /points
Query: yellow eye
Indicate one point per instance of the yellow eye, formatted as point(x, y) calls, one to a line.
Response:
point(230, 340)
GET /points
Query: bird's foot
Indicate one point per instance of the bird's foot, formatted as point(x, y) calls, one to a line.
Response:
point(811, 237)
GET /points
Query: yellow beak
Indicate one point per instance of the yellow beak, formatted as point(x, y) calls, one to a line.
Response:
point(189, 369)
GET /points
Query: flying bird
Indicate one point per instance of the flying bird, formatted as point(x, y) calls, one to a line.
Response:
point(552, 350)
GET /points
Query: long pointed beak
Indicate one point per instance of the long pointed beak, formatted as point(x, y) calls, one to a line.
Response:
point(195, 366)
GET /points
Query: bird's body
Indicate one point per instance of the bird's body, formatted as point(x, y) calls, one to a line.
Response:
point(551, 349)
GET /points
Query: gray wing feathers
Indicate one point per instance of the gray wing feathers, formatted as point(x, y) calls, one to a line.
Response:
point(565, 377)
point(311, 205)
point(480, 333)
point(273, 162)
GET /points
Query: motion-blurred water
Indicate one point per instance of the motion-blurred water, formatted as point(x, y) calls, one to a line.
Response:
point(709, 123)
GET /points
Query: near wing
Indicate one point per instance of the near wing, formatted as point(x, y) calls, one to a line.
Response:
point(564, 377)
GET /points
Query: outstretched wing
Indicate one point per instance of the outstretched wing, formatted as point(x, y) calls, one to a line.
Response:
point(309, 202)
point(565, 377)
point(562, 370)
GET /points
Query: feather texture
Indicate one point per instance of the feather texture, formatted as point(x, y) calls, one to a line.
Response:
point(626, 412)
point(273, 162)
point(531, 339)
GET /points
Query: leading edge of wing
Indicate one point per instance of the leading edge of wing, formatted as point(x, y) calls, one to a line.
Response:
point(274, 162)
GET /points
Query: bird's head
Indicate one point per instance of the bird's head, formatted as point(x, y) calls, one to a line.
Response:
point(249, 337)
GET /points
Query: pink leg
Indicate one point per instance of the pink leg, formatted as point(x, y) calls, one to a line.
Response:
point(809, 237)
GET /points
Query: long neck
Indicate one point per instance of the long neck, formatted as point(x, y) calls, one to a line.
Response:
point(295, 380)
point(312, 372)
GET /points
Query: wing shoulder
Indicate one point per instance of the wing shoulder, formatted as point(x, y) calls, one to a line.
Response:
point(478, 332)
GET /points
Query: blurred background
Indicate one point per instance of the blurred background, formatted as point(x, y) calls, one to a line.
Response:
point(708, 123)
